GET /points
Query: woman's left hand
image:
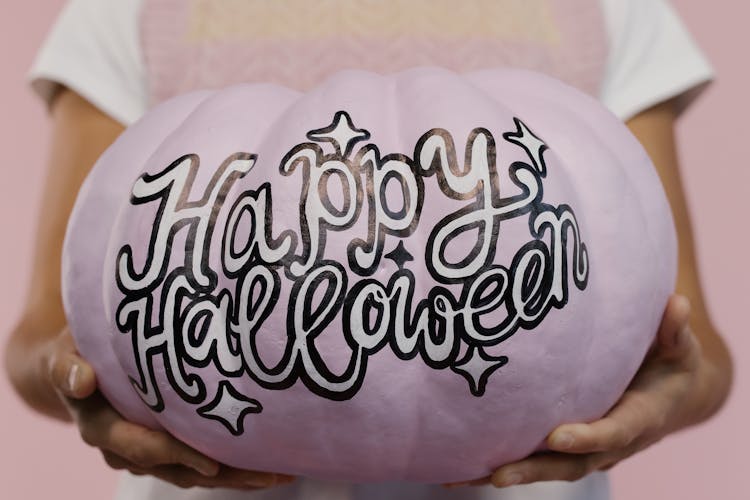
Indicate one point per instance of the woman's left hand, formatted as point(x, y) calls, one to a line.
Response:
point(660, 400)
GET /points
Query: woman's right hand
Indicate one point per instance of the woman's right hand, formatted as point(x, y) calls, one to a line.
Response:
point(126, 445)
point(41, 359)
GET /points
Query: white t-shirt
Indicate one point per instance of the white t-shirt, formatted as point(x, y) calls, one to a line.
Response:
point(94, 48)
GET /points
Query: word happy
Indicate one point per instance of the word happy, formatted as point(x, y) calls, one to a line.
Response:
point(200, 324)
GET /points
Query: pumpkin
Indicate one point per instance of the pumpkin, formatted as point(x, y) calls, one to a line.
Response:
point(413, 277)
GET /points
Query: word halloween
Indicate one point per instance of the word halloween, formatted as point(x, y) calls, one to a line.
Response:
point(201, 324)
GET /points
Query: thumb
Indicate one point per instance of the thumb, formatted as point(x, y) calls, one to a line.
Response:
point(674, 338)
point(69, 373)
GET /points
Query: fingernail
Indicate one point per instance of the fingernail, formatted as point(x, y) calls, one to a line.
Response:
point(205, 469)
point(681, 338)
point(508, 479)
point(73, 377)
point(562, 441)
point(685, 304)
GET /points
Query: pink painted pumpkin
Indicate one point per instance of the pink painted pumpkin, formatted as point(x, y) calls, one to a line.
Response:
point(404, 277)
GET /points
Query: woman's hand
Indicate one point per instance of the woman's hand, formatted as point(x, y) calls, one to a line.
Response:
point(126, 445)
point(685, 378)
point(663, 397)
point(41, 360)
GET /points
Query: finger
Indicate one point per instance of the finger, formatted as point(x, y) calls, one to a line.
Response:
point(253, 478)
point(476, 482)
point(101, 426)
point(183, 477)
point(676, 342)
point(70, 374)
point(483, 481)
point(186, 478)
point(545, 467)
point(637, 413)
point(149, 448)
point(672, 330)
point(116, 462)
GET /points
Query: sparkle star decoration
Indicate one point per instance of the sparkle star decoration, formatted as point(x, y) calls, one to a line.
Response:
point(230, 407)
point(534, 146)
point(476, 367)
point(341, 133)
point(399, 255)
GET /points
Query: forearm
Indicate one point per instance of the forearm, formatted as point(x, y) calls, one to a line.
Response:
point(80, 134)
point(27, 360)
point(714, 378)
point(655, 130)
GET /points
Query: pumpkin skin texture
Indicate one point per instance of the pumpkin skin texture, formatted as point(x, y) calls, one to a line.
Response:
point(406, 277)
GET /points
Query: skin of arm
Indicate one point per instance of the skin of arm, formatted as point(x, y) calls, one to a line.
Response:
point(655, 130)
point(80, 135)
point(686, 376)
point(40, 357)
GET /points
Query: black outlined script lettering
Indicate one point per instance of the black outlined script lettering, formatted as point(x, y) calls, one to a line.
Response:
point(200, 323)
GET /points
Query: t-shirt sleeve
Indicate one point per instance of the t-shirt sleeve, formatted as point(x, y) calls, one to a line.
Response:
point(93, 48)
point(652, 58)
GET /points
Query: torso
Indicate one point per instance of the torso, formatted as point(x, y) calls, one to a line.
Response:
point(194, 44)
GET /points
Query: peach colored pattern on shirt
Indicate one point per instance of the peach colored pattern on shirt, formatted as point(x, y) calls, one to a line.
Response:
point(192, 44)
point(529, 20)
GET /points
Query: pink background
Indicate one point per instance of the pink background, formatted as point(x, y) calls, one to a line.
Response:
point(40, 458)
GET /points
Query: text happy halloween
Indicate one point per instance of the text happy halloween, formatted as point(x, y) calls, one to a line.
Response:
point(201, 325)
